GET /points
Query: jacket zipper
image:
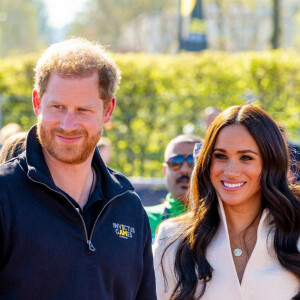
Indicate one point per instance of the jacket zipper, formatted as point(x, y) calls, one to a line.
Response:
point(88, 240)
point(103, 210)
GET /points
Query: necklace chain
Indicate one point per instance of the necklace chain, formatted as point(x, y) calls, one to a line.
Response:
point(237, 251)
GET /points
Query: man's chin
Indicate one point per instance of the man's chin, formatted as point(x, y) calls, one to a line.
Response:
point(184, 187)
point(67, 156)
point(72, 159)
point(181, 195)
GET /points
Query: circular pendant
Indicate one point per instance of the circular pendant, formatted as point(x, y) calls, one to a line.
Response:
point(237, 252)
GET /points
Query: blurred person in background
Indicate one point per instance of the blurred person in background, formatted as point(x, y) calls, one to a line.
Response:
point(210, 113)
point(7, 131)
point(105, 149)
point(70, 227)
point(13, 146)
point(294, 153)
point(240, 236)
point(177, 169)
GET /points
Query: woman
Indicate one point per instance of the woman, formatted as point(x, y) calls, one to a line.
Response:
point(240, 238)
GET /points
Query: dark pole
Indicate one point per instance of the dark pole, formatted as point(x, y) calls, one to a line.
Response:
point(179, 26)
point(276, 24)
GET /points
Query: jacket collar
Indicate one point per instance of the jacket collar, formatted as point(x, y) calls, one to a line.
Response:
point(112, 182)
point(264, 216)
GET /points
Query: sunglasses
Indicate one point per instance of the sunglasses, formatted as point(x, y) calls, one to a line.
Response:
point(176, 162)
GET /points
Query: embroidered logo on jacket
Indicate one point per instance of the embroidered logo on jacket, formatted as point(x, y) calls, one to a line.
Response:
point(123, 231)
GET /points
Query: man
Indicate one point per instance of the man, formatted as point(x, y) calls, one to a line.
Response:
point(70, 228)
point(177, 169)
point(210, 113)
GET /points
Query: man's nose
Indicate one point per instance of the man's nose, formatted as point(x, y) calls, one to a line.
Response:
point(185, 168)
point(69, 121)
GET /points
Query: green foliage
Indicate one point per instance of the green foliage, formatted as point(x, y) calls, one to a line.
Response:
point(16, 82)
point(160, 94)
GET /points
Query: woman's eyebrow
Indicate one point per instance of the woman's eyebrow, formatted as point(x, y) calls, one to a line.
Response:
point(246, 151)
point(240, 151)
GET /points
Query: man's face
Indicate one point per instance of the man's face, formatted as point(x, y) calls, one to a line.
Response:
point(177, 181)
point(70, 117)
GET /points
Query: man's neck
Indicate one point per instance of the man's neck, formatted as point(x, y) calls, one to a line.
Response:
point(76, 180)
point(170, 198)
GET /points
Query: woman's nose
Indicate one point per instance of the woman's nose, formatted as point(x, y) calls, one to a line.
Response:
point(232, 169)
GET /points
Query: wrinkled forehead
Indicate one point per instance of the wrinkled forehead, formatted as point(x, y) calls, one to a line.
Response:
point(183, 148)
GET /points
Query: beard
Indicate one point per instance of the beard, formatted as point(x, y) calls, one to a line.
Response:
point(74, 153)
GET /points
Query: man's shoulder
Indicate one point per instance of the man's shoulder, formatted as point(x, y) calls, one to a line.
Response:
point(9, 169)
point(11, 178)
point(113, 183)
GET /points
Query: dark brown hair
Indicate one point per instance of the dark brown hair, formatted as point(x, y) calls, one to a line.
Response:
point(201, 224)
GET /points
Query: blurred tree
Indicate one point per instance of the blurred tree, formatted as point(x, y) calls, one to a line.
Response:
point(104, 19)
point(236, 24)
point(276, 24)
point(22, 26)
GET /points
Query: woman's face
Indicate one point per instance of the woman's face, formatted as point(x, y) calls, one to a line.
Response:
point(236, 167)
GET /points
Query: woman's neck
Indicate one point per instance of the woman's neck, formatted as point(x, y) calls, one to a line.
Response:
point(240, 218)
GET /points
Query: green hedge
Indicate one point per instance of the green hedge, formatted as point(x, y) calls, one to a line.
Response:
point(159, 94)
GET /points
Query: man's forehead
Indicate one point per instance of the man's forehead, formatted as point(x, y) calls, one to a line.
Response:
point(179, 148)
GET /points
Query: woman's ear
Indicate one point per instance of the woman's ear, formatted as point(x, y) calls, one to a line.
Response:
point(35, 102)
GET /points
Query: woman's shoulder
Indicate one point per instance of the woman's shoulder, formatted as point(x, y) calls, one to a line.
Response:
point(169, 225)
point(172, 227)
point(169, 234)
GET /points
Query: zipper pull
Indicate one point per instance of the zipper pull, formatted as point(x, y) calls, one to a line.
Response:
point(91, 246)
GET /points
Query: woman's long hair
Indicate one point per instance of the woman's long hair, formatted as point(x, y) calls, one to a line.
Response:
point(202, 222)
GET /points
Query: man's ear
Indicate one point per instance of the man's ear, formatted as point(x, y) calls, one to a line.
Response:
point(109, 109)
point(36, 102)
point(164, 168)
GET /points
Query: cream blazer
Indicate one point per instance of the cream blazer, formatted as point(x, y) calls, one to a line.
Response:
point(263, 279)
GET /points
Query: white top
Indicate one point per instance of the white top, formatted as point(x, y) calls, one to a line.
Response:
point(263, 279)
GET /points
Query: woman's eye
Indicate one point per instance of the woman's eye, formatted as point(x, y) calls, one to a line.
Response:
point(57, 106)
point(220, 156)
point(246, 157)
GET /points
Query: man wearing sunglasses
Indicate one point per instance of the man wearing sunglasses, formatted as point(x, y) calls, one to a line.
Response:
point(177, 169)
